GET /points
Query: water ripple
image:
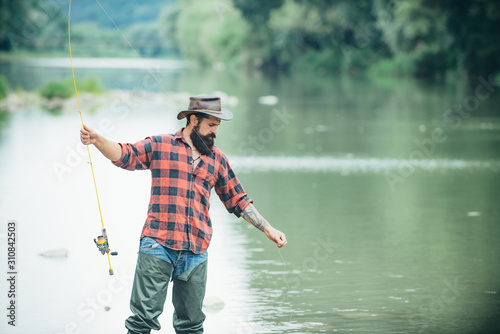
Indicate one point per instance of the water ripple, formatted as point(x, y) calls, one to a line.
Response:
point(348, 165)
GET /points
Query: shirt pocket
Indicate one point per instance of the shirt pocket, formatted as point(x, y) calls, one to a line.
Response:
point(203, 183)
point(204, 179)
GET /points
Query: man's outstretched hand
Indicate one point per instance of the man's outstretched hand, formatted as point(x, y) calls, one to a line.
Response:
point(251, 215)
point(275, 236)
point(109, 149)
point(88, 136)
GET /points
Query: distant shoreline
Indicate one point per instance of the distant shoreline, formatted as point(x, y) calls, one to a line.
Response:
point(125, 63)
point(20, 101)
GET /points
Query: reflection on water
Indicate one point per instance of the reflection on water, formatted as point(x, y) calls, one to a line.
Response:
point(114, 63)
point(362, 256)
point(349, 165)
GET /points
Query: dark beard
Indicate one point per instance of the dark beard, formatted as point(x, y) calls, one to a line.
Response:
point(203, 144)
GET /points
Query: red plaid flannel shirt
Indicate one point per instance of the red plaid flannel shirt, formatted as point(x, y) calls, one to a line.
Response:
point(178, 215)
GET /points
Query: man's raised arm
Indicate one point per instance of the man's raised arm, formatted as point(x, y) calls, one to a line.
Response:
point(109, 149)
point(251, 215)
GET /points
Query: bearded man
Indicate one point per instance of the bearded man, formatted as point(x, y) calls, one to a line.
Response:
point(185, 166)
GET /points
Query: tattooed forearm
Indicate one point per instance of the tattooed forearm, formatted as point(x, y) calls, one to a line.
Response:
point(251, 215)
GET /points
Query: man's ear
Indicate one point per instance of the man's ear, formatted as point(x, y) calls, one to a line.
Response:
point(193, 120)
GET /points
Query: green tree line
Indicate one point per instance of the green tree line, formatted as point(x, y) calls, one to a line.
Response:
point(421, 38)
point(40, 27)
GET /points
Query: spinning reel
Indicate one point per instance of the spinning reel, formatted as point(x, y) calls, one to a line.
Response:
point(103, 245)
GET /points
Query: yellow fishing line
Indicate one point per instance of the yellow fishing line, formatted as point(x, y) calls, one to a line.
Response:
point(83, 125)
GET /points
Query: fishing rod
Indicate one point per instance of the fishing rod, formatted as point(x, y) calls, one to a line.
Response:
point(102, 242)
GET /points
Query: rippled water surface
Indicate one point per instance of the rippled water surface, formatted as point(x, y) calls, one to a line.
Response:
point(390, 208)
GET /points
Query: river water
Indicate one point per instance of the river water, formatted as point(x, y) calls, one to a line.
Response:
point(387, 190)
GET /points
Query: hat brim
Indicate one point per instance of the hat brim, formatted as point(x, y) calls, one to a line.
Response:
point(226, 114)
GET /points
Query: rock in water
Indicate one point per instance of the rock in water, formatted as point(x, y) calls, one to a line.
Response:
point(269, 100)
point(213, 304)
point(55, 253)
point(473, 213)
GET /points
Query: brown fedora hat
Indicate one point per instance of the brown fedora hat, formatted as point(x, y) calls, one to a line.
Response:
point(207, 104)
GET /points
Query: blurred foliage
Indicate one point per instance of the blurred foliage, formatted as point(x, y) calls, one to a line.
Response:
point(318, 36)
point(61, 89)
point(92, 40)
point(474, 26)
point(211, 34)
point(145, 38)
point(91, 84)
point(32, 24)
point(65, 88)
point(277, 35)
point(4, 87)
point(167, 23)
point(123, 13)
point(12, 22)
point(4, 120)
point(421, 38)
point(40, 26)
point(418, 40)
point(257, 12)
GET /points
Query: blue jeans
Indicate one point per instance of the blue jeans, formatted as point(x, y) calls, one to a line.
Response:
point(181, 261)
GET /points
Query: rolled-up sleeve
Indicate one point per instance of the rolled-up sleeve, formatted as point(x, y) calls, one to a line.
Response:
point(230, 190)
point(136, 156)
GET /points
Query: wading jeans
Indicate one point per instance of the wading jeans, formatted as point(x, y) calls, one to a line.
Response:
point(156, 266)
